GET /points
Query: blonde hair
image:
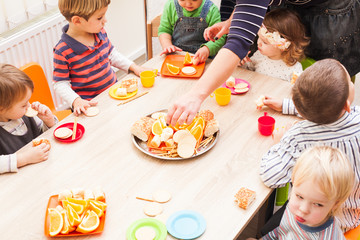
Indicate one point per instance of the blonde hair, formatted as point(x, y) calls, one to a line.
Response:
point(81, 8)
point(14, 84)
point(329, 168)
point(321, 91)
point(290, 27)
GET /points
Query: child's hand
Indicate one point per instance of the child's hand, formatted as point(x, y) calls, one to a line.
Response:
point(138, 69)
point(44, 113)
point(273, 103)
point(279, 132)
point(80, 105)
point(30, 154)
point(170, 49)
point(244, 60)
point(201, 55)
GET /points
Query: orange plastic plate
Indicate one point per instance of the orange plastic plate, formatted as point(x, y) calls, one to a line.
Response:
point(178, 60)
point(53, 202)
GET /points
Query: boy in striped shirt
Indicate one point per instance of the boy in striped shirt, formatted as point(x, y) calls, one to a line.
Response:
point(84, 55)
point(322, 180)
point(322, 95)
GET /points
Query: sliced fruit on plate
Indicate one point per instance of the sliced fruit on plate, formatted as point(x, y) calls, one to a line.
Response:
point(56, 221)
point(89, 223)
point(197, 132)
point(173, 69)
point(187, 59)
point(157, 128)
point(74, 218)
point(96, 209)
point(180, 134)
point(99, 204)
point(79, 209)
point(66, 227)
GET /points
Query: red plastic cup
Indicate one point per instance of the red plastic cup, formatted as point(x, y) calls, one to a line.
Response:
point(266, 124)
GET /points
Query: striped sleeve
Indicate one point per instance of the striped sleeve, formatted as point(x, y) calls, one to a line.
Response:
point(61, 65)
point(247, 19)
point(8, 163)
point(288, 108)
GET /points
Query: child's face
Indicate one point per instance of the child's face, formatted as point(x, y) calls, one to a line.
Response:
point(18, 110)
point(309, 205)
point(268, 49)
point(96, 22)
point(190, 5)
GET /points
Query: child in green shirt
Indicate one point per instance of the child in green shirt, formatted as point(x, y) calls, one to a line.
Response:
point(182, 26)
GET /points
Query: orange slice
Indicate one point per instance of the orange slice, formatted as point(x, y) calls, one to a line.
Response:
point(187, 59)
point(173, 69)
point(156, 128)
point(79, 209)
point(197, 132)
point(66, 227)
point(99, 204)
point(95, 209)
point(89, 224)
point(56, 221)
point(74, 218)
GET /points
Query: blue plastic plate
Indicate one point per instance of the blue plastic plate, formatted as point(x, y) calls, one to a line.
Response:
point(186, 224)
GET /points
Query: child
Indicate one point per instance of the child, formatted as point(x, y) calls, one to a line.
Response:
point(322, 180)
point(322, 95)
point(16, 130)
point(281, 45)
point(84, 55)
point(182, 26)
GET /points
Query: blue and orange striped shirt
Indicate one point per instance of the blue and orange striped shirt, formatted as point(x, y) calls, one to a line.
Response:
point(290, 229)
point(87, 67)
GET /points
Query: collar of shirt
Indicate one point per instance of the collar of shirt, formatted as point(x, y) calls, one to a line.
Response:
point(77, 46)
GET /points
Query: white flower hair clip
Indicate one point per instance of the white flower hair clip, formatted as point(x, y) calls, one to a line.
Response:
point(274, 38)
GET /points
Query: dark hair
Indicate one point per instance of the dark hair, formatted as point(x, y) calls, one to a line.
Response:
point(321, 91)
point(290, 27)
point(13, 85)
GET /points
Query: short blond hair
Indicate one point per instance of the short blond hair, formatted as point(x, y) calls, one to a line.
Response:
point(14, 84)
point(329, 168)
point(81, 8)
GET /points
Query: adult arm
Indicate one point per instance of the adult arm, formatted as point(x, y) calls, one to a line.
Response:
point(244, 26)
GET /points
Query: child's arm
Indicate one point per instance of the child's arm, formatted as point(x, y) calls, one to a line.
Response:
point(29, 154)
point(8, 163)
point(45, 114)
point(201, 55)
point(277, 164)
point(166, 44)
point(73, 100)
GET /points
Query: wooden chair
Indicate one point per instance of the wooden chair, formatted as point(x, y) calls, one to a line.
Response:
point(42, 91)
point(151, 31)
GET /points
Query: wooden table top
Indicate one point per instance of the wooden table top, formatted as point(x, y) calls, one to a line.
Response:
point(105, 156)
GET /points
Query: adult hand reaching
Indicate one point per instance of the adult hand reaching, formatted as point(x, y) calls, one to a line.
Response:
point(184, 109)
point(217, 30)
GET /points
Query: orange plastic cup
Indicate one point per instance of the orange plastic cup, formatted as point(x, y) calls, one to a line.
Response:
point(147, 78)
point(222, 96)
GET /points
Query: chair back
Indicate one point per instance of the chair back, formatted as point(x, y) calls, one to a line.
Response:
point(151, 31)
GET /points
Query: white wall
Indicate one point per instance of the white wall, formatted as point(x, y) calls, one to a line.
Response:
point(126, 27)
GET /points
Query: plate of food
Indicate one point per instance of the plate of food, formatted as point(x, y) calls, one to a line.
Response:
point(124, 89)
point(86, 216)
point(64, 132)
point(146, 228)
point(237, 85)
point(177, 66)
point(152, 136)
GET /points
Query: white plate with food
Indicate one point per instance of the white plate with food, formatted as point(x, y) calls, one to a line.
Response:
point(155, 138)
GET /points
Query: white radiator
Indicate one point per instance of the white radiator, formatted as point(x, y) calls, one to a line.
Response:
point(35, 44)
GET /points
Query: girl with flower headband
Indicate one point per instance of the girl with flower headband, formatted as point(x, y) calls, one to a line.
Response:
point(281, 44)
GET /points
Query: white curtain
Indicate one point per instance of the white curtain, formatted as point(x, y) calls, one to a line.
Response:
point(16, 12)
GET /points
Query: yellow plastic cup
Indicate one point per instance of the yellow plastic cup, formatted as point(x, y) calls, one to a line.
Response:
point(148, 78)
point(222, 96)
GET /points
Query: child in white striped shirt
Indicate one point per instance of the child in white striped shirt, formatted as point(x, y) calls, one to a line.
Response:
point(322, 95)
point(322, 180)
